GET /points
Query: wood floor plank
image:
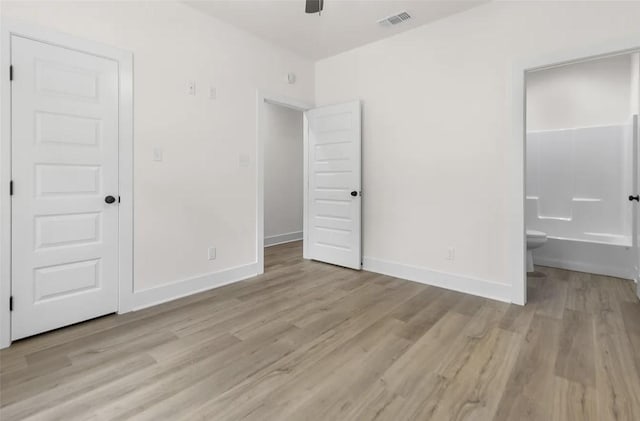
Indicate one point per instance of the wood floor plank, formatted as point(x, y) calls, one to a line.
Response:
point(617, 388)
point(311, 341)
point(335, 336)
point(377, 403)
point(631, 318)
point(573, 401)
point(582, 293)
point(575, 358)
point(474, 389)
point(529, 390)
point(39, 394)
point(550, 297)
point(403, 377)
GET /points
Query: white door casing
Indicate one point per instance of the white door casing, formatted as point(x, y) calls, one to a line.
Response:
point(64, 164)
point(636, 204)
point(333, 206)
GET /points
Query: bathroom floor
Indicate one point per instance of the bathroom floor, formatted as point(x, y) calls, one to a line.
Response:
point(312, 341)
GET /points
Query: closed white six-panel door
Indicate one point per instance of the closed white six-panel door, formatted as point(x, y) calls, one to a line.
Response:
point(64, 163)
point(334, 190)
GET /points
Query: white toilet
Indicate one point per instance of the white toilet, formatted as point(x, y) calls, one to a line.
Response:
point(535, 239)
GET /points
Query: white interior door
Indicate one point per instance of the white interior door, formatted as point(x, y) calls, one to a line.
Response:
point(64, 165)
point(333, 205)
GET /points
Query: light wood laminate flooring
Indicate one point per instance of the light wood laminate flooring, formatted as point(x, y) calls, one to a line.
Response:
point(310, 341)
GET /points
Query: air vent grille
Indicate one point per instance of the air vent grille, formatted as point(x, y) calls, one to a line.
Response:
point(395, 19)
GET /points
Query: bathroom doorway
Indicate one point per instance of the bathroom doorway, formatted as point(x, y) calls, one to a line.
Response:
point(581, 177)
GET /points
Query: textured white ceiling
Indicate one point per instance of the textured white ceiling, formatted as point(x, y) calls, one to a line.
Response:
point(343, 25)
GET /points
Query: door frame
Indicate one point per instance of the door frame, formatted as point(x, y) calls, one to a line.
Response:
point(124, 59)
point(516, 153)
point(262, 98)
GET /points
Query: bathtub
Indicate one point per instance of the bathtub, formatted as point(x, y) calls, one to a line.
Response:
point(609, 255)
point(577, 184)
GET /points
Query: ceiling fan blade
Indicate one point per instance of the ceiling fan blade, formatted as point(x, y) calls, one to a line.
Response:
point(314, 6)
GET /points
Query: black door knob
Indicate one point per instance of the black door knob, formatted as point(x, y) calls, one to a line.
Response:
point(636, 198)
point(354, 193)
point(109, 199)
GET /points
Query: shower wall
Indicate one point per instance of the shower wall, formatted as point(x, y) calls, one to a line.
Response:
point(587, 94)
point(578, 181)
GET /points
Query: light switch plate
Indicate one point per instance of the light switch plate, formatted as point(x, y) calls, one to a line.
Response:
point(213, 94)
point(451, 253)
point(212, 253)
point(158, 154)
point(244, 160)
point(191, 87)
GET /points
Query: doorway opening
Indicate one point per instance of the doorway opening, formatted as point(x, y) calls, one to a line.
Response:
point(283, 139)
point(581, 172)
point(281, 128)
point(331, 179)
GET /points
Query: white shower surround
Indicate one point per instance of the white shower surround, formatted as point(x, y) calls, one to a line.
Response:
point(587, 256)
point(578, 181)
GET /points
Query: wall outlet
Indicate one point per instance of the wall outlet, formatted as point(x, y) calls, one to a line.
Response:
point(451, 253)
point(212, 253)
point(213, 94)
point(191, 87)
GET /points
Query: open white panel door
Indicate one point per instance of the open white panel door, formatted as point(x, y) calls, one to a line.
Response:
point(333, 206)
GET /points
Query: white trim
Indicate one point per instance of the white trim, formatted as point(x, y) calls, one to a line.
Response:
point(261, 98)
point(5, 176)
point(516, 151)
point(125, 185)
point(587, 267)
point(175, 290)
point(289, 237)
point(125, 246)
point(467, 285)
point(305, 190)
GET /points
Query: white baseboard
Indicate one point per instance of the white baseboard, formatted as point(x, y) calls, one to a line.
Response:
point(615, 271)
point(179, 289)
point(282, 238)
point(473, 286)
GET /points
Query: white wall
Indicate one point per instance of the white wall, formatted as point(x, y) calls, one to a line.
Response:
point(437, 116)
point(592, 93)
point(635, 83)
point(283, 192)
point(201, 194)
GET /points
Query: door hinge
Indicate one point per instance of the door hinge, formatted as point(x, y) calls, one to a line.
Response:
point(11, 72)
point(11, 188)
point(11, 303)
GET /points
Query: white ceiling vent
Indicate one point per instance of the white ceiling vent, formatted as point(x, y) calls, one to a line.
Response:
point(395, 19)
